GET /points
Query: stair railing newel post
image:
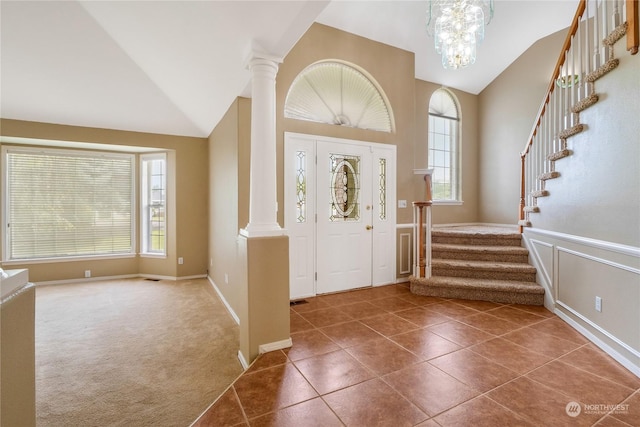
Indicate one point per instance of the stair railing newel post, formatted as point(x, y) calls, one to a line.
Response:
point(422, 231)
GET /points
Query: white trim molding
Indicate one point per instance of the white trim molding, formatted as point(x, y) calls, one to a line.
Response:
point(224, 301)
point(273, 346)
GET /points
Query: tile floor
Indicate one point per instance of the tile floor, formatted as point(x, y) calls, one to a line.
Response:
point(386, 357)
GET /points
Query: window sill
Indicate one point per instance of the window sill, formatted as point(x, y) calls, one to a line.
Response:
point(65, 259)
point(150, 255)
point(447, 203)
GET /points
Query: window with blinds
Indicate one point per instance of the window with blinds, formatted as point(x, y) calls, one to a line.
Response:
point(62, 203)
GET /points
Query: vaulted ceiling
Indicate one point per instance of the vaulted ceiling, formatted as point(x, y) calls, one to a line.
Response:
point(174, 67)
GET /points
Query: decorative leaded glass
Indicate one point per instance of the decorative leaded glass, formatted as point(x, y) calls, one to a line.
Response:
point(382, 188)
point(301, 186)
point(345, 187)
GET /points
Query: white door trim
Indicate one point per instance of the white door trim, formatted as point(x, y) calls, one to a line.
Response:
point(384, 246)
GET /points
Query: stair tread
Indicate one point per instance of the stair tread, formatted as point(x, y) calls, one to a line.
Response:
point(486, 284)
point(483, 265)
point(478, 248)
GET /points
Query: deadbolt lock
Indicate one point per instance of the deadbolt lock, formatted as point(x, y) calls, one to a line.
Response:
point(369, 227)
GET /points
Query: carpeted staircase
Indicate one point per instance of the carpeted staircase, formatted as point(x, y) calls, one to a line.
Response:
point(480, 263)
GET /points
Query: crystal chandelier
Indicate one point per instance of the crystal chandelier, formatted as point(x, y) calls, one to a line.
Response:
point(457, 26)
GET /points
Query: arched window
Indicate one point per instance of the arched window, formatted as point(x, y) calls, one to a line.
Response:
point(338, 93)
point(444, 146)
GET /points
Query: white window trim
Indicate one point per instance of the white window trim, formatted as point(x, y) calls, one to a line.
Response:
point(4, 206)
point(144, 253)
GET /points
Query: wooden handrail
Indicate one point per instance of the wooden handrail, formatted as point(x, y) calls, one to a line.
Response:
point(633, 38)
point(556, 71)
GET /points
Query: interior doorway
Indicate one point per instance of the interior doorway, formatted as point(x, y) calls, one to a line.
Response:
point(339, 213)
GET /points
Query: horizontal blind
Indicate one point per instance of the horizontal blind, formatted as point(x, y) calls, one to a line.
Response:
point(63, 204)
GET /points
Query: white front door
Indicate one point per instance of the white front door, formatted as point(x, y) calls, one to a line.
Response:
point(339, 214)
point(344, 209)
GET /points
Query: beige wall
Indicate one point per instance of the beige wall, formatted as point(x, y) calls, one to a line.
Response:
point(17, 353)
point(187, 224)
point(229, 144)
point(507, 109)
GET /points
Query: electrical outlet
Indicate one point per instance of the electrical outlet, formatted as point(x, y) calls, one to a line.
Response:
point(598, 304)
point(226, 278)
point(87, 273)
point(180, 260)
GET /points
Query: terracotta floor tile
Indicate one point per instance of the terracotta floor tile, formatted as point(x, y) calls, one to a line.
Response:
point(383, 356)
point(629, 411)
point(481, 412)
point(478, 305)
point(326, 317)
point(610, 421)
point(379, 292)
point(226, 411)
point(474, 370)
point(312, 413)
point(490, 324)
point(421, 300)
point(268, 360)
point(540, 342)
point(560, 329)
point(298, 324)
point(538, 404)
point(453, 310)
point(540, 310)
point(310, 343)
point(333, 371)
point(429, 388)
point(595, 361)
point(271, 389)
point(587, 388)
point(389, 324)
point(423, 316)
point(343, 298)
point(428, 423)
point(519, 317)
point(373, 403)
point(393, 303)
point(510, 355)
point(460, 333)
point(350, 333)
point(425, 343)
point(362, 309)
point(309, 304)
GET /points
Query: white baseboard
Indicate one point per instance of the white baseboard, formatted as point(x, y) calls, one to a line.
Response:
point(273, 346)
point(87, 279)
point(243, 361)
point(224, 301)
point(635, 369)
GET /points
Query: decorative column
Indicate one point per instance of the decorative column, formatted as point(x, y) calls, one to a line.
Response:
point(262, 181)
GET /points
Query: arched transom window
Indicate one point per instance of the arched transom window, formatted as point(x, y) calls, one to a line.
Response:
point(337, 93)
point(444, 146)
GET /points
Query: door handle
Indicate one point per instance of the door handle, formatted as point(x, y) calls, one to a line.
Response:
point(369, 227)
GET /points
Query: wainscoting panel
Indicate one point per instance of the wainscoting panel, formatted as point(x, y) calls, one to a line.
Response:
point(580, 269)
point(405, 252)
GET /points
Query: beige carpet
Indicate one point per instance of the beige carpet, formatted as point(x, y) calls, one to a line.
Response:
point(131, 352)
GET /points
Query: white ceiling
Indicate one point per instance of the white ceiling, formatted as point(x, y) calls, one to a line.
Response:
point(174, 67)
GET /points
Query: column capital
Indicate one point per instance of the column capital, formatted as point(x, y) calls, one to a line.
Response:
point(256, 57)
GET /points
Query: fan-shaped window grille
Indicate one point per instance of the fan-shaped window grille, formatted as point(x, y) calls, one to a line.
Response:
point(336, 93)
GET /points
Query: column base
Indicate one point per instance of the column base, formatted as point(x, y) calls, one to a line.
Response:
point(262, 230)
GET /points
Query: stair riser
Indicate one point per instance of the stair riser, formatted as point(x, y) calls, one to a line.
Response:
point(472, 294)
point(471, 256)
point(484, 274)
point(454, 240)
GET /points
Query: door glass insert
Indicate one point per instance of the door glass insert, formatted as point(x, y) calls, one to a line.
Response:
point(382, 188)
point(301, 186)
point(345, 187)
